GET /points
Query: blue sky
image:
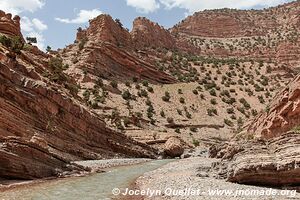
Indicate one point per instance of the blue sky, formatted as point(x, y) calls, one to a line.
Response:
point(54, 22)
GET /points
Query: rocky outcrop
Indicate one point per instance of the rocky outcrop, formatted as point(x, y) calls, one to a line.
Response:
point(273, 162)
point(10, 26)
point(104, 29)
point(109, 51)
point(146, 33)
point(43, 127)
point(174, 147)
point(281, 115)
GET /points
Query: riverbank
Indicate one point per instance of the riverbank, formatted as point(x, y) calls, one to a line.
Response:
point(96, 166)
point(193, 176)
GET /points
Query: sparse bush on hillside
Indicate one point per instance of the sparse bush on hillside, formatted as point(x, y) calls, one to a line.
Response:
point(182, 100)
point(196, 143)
point(213, 101)
point(145, 83)
point(212, 111)
point(228, 122)
point(114, 84)
point(170, 120)
point(14, 44)
point(162, 114)
point(150, 89)
point(126, 95)
point(166, 97)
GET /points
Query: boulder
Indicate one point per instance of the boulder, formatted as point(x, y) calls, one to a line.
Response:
point(174, 147)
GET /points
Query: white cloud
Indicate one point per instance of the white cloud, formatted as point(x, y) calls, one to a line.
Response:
point(196, 5)
point(39, 25)
point(82, 17)
point(34, 28)
point(144, 6)
point(40, 38)
point(18, 6)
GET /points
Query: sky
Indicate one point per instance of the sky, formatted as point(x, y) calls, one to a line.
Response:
point(54, 22)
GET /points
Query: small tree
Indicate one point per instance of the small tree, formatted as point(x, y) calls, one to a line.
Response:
point(48, 49)
point(118, 21)
point(31, 40)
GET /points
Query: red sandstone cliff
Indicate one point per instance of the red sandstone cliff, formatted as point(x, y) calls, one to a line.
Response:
point(43, 127)
point(9, 25)
point(149, 34)
point(110, 51)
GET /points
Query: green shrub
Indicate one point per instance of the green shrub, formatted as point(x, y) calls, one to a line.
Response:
point(144, 93)
point(162, 114)
point(212, 92)
point(166, 97)
point(193, 129)
point(114, 84)
point(126, 95)
point(14, 44)
point(228, 122)
point(170, 120)
point(150, 89)
point(196, 142)
point(213, 101)
point(145, 83)
point(182, 100)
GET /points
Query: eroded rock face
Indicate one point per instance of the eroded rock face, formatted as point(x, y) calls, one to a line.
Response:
point(110, 52)
point(43, 127)
point(273, 162)
point(146, 33)
point(10, 26)
point(225, 24)
point(174, 147)
point(282, 115)
point(104, 28)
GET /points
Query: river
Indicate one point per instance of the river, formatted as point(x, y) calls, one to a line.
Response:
point(94, 187)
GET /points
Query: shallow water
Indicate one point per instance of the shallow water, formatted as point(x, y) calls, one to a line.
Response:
point(94, 187)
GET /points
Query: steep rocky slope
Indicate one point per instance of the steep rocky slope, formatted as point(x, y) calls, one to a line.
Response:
point(267, 152)
point(43, 123)
point(106, 49)
point(281, 115)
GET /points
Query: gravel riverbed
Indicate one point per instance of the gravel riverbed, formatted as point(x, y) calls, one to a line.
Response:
point(193, 173)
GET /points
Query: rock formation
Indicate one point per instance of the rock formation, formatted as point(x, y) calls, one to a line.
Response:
point(281, 115)
point(273, 162)
point(149, 34)
point(110, 51)
point(43, 127)
point(174, 147)
point(8, 25)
